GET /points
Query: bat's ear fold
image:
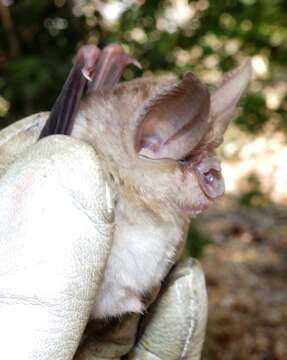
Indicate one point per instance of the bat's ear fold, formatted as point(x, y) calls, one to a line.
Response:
point(224, 101)
point(174, 121)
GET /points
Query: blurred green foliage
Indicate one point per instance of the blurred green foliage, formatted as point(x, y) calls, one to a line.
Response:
point(196, 241)
point(38, 40)
point(255, 196)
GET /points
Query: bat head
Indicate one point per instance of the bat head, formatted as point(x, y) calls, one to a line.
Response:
point(158, 138)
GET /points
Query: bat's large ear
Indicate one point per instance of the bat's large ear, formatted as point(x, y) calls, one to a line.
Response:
point(174, 121)
point(224, 101)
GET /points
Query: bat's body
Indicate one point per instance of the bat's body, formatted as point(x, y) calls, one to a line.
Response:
point(154, 198)
point(145, 246)
point(156, 140)
point(149, 233)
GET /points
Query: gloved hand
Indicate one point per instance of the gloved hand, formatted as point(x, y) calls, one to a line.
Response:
point(56, 224)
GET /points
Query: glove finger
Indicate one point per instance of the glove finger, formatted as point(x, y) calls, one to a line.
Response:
point(16, 138)
point(56, 232)
point(113, 338)
point(175, 325)
point(108, 339)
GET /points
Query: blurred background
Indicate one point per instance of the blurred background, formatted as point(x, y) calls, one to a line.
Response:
point(242, 240)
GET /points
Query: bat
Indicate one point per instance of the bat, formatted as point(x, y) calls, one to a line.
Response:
point(156, 139)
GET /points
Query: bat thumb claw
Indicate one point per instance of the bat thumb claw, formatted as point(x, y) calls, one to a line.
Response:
point(134, 62)
point(86, 74)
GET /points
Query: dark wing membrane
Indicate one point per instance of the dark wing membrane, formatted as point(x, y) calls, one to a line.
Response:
point(103, 69)
point(64, 111)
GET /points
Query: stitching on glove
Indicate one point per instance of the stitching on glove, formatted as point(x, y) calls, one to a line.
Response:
point(149, 351)
point(192, 325)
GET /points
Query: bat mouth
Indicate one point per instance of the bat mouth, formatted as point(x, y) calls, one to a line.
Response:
point(207, 171)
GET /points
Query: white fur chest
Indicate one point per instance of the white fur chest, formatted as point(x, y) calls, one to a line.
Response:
point(144, 249)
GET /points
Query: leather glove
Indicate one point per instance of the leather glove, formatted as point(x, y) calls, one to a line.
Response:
point(56, 222)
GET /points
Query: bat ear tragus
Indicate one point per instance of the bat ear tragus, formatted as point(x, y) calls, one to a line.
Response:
point(173, 122)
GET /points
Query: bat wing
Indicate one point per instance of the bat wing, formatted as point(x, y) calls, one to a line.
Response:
point(102, 69)
point(63, 113)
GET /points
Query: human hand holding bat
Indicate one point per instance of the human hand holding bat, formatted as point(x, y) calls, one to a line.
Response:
point(110, 212)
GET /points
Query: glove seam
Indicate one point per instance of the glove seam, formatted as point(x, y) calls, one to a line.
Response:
point(89, 213)
point(192, 326)
point(149, 351)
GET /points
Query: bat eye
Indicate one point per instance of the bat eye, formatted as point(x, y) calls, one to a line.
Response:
point(211, 182)
point(211, 176)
